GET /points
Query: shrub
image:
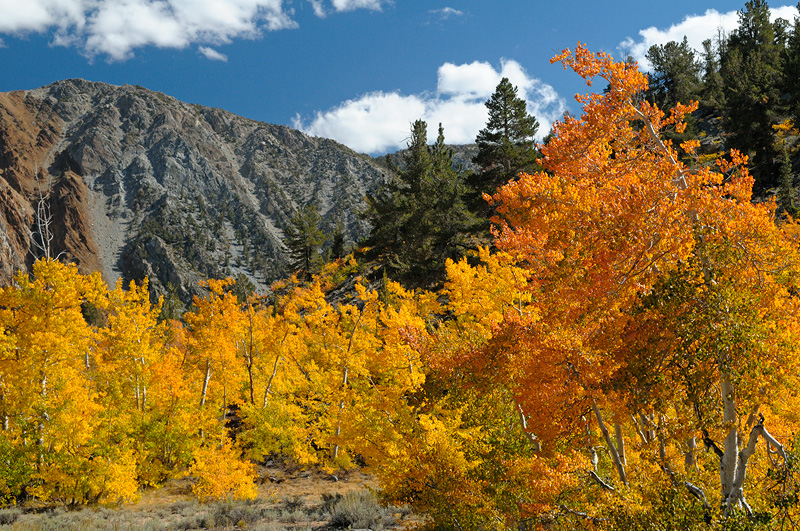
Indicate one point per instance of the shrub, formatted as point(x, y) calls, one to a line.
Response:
point(9, 516)
point(357, 510)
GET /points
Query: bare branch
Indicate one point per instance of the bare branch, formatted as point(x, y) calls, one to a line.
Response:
point(698, 493)
point(593, 519)
point(524, 425)
point(612, 449)
point(599, 481)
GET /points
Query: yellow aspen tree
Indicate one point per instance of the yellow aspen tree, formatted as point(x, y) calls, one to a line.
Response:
point(214, 328)
point(52, 403)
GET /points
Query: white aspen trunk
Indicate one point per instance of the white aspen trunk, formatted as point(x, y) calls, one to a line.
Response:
point(698, 493)
point(619, 436)
point(753, 417)
point(44, 396)
point(690, 458)
point(736, 490)
point(278, 358)
point(5, 413)
point(224, 380)
point(271, 379)
point(736, 496)
point(639, 430)
point(727, 464)
point(662, 448)
point(772, 441)
point(592, 452)
point(523, 421)
point(335, 452)
point(248, 354)
point(252, 383)
point(40, 423)
point(610, 444)
point(144, 387)
point(205, 384)
point(651, 426)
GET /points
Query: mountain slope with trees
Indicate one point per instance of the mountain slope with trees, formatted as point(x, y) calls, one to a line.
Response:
point(141, 185)
point(749, 80)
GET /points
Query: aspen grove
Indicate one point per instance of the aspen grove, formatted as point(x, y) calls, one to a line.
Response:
point(624, 357)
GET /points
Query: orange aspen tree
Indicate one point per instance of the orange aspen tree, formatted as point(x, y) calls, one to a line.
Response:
point(615, 213)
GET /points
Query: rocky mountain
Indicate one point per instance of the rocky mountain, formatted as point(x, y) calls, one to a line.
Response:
point(135, 183)
point(462, 158)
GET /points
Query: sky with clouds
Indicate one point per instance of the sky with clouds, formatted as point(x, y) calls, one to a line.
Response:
point(358, 71)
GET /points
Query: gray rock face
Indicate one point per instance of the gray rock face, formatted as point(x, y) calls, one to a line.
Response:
point(178, 192)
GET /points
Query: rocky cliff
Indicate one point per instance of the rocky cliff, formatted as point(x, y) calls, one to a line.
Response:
point(139, 184)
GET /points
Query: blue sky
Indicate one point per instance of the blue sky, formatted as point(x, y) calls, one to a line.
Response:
point(359, 71)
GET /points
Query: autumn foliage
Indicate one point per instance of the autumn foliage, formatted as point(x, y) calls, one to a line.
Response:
point(627, 354)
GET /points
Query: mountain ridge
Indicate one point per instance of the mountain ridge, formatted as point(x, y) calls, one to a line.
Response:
point(140, 184)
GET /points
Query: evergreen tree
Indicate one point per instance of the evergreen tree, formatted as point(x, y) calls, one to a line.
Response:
point(505, 146)
point(791, 70)
point(786, 191)
point(419, 219)
point(304, 238)
point(338, 243)
point(711, 91)
point(676, 74)
point(392, 209)
point(752, 85)
point(451, 217)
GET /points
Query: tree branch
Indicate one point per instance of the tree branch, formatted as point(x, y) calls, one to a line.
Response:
point(599, 481)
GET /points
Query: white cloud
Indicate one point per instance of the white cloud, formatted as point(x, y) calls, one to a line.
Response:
point(115, 28)
point(319, 9)
point(38, 15)
point(379, 121)
point(212, 54)
point(696, 28)
point(447, 12)
point(349, 5)
point(476, 80)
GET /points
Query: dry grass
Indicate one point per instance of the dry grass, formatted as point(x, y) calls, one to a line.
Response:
point(289, 499)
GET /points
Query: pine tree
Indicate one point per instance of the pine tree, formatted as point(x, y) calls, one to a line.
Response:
point(304, 238)
point(451, 217)
point(786, 191)
point(712, 95)
point(791, 70)
point(391, 210)
point(338, 242)
point(752, 85)
point(419, 219)
point(505, 146)
point(676, 74)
